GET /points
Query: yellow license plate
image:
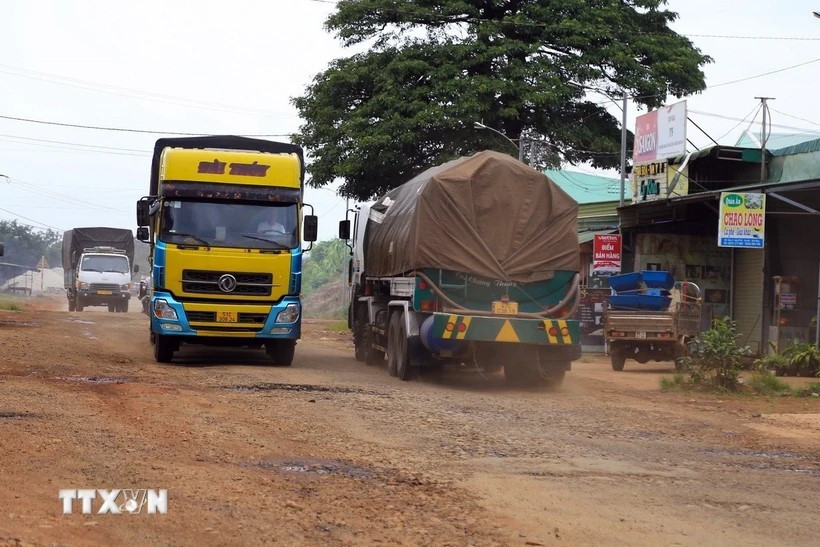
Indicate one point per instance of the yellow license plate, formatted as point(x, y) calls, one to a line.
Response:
point(505, 308)
point(103, 292)
point(226, 317)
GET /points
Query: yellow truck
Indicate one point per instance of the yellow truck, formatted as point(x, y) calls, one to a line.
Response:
point(224, 219)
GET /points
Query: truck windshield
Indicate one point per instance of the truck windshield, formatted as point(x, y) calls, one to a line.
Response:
point(103, 263)
point(230, 224)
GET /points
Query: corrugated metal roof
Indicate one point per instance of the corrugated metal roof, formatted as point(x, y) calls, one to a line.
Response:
point(802, 148)
point(586, 188)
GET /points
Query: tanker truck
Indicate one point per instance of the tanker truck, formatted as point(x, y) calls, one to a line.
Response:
point(473, 262)
point(97, 267)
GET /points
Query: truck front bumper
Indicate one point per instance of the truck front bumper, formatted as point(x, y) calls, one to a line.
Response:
point(100, 298)
point(228, 320)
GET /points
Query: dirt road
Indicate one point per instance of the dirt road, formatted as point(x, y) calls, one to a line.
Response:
point(331, 451)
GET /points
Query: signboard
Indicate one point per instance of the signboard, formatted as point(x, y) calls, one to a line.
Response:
point(659, 180)
point(606, 254)
point(742, 220)
point(788, 300)
point(660, 134)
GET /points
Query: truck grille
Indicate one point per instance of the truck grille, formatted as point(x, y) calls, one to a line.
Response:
point(207, 282)
point(105, 287)
point(210, 317)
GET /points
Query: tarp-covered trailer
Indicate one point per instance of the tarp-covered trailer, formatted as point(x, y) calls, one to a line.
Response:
point(475, 260)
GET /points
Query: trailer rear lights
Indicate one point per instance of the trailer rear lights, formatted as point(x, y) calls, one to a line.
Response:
point(163, 311)
point(280, 330)
point(171, 326)
point(462, 327)
point(553, 331)
point(427, 305)
point(422, 285)
point(564, 331)
point(450, 327)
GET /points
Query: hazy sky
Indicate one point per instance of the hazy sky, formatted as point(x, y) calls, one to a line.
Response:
point(231, 67)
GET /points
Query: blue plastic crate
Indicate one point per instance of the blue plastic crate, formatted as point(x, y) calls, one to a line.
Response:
point(625, 282)
point(639, 302)
point(657, 279)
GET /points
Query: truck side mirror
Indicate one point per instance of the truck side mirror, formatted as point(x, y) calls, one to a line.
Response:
point(136, 268)
point(142, 233)
point(143, 215)
point(344, 230)
point(311, 227)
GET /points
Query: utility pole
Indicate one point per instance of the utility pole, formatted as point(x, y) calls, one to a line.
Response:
point(623, 149)
point(763, 136)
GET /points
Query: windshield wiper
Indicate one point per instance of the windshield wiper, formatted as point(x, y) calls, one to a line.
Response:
point(278, 245)
point(192, 236)
point(90, 270)
point(115, 271)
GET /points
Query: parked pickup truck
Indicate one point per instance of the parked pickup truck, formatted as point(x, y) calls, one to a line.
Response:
point(654, 335)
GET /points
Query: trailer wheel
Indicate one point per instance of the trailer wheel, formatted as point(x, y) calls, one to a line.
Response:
point(71, 306)
point(618, 360)
point(163, 348)
point(392, 343)
point(281, 352)
point(404, 370)
point(361, 341)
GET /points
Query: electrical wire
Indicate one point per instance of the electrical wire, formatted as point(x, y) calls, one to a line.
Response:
point(129, 130)
point(755, 109)
point(795, 117)
point(32, 220)
point(712, 114)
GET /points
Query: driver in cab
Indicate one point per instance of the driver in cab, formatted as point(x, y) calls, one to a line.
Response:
point(271, 222)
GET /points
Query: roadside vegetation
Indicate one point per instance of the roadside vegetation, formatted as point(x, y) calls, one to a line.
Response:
point(716, 360)
point(10, 303)
point(324, 280)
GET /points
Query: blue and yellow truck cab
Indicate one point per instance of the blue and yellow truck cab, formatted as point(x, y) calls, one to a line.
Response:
point(224, 218)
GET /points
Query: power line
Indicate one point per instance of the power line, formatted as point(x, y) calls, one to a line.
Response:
point(754, 110)
point(32, 220)
point(128, 130)
point(795, 117)
point(141, 152)
point(97, 87)
point(713, 115)
point(765, 73)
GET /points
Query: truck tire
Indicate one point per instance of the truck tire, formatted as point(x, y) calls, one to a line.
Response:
point(392, 332)
point(618, 360)
point(404, 369)
point(71, 305)
point(113, 307)
point(79, 306)
point(281, 352)
point(163, 348)
point(124, 306)
point(361, 340)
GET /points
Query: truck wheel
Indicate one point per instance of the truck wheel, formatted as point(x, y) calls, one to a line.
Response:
point(71, 305)
point(521, 375)
point(552, 378)
point(393, 343)
point(281, 352)
point(163, 348)
point(618, 360)
point(79, 305)
point(361, 340)
point(112, 308)
point(124, 307)
point(404, 370)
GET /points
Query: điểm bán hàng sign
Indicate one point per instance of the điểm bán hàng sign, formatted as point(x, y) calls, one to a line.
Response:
point(742, 220)
point(606, 254)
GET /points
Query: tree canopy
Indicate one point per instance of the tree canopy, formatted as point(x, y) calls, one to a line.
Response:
point(25, 246)
point(539, 69)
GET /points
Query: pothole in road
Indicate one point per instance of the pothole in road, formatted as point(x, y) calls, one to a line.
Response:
point(92, 379)
point(309, 388)
point(317, 467)
point(18, 324)
point(16, 415)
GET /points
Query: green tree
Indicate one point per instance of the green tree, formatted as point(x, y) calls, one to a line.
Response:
point(433, 68)
point(25, 245)
point(326, 262)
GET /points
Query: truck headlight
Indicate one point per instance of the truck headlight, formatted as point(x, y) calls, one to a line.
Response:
point(126, 287)
point(289, 314)
point(82, 285)
point(163, 310)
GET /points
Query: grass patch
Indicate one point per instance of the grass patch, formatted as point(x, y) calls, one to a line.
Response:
point(677, 381)
point(338, 326)
point(10, 303)
point(767, 384)
point(806, 391)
